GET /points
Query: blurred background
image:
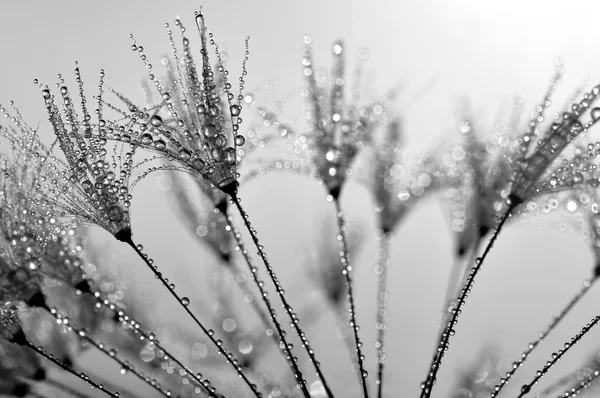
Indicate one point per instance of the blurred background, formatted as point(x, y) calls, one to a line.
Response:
point(437, 54)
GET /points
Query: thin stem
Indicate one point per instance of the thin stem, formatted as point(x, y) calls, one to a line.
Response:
point(209, 333)
point(587, 284)
point(111, 353)
point(203, 383)
point(381, 271)
point(244, 286)
point(427, 386)
point(346, 270)
point(558, 384)
point(556, 356)
point(583, 384)
point(457, 276)
point(69, 369)
point(63, 387)
point(288, 308)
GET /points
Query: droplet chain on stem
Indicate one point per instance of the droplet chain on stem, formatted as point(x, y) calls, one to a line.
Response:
point(228, 357)
point(276, 335)
point(587, 284)
point(126, 318)
point(288, 309)
point(265, 319)
point(583, 384)
point(458, 274)
point(558, 355)
point(63, 387)
point(558, 384)
point(427, 386)
point(382, 276)
point(111, 354)
point(69, 369)
point(346, 269)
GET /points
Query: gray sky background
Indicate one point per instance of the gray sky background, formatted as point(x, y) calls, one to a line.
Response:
point(483, 50)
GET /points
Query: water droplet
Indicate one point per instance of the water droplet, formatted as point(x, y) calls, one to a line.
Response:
point(146, 139)
point(185, 301)
point(160, 145)
point(156, 121)
point(595, 113)
point(240, 140)
point(235, 110)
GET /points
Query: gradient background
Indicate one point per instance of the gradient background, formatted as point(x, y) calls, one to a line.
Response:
point(481, 49)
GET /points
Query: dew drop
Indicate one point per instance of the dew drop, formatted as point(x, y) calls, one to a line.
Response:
point(235, 110)
point(595, 113)
point(146, 139)
point(160, 145)
point(240, 140)
point(156, 121)
point(185, 301)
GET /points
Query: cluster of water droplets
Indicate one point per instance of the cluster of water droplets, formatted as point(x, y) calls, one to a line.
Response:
point(338, 130)
point(567, 127)
point(189, 124)
point(94, 185)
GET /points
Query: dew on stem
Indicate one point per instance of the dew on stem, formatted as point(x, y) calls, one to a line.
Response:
point(12, 332)
point(125, 366)
point(586, 285)
point(556, 356)
point(126, 237)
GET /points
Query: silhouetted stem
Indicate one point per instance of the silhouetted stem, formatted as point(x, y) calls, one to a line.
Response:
point(63, 387)
point(427, 386)
point(69, 369)
point(228, 357)
point(558, 355)
point(587, 284)
point(457, 276)
point(346, 271)
point(110, 354)
point(122, 315)
point(288, 309)
point(381, 271)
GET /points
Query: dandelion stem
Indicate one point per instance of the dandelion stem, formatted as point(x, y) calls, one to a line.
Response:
point(427, 386)
point(125, 367)
point(457, 275)
point(558, 355)
point(246, 289)
point(210, 334)
point(69, 369)
point(63, 387)
point(583, 384)
point(381, 271)
point(288, 308)
point(124, 317)
point(346, 270)
point(587, 284)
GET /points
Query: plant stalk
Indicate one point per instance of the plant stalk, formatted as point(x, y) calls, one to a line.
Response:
point(288, 308)
point(587, 284)
point(346, 271)
point(448, 331)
